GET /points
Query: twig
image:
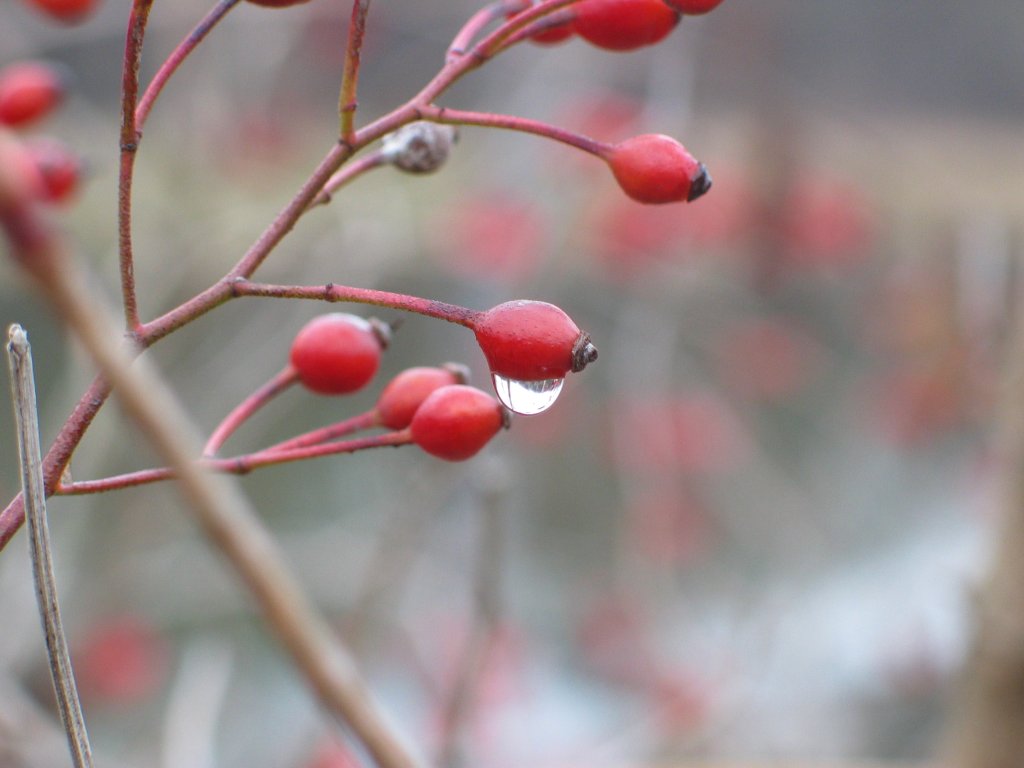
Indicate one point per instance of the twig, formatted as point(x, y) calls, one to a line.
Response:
point(19, 358)
point(245, 409)
point(238, 465)
point(137, 20)
point(177, 57)
point(347, 103)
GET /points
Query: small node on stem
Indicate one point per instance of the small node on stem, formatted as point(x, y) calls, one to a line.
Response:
point(419, 147)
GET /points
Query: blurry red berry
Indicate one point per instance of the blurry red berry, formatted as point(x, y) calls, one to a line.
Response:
point(766, 359)
point(694, 7)
point(532, 341)
point(59, 168)
point(404, 394)
point(20, 180)
point(29, 90)
point(122, 660)
point(622, 25)
point(67, 11)
point(556, 33)
point(653, 168)
point(337, 353)
point(456, 421)
point(333, 754)
point(492, 236)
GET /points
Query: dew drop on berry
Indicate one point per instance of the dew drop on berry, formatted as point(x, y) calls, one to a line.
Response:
point(526, 397)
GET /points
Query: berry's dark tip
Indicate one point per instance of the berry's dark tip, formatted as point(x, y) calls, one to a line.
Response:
point(459, 371)
point(384, 331)
point(700, 184)
point(506, 418)
point(583, 353)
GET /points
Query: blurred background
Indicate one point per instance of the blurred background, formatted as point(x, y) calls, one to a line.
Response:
point(750, 530)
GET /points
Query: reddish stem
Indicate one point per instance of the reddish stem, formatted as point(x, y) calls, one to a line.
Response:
point(453, 313)
point(479, 21)
point(347, 174)
point(356, 423)
point(137, 19)
point(238, 465)
point(514, 123)
point(245, 409)
point(498, 40)
point(554, 19)
point(178, 55)
point(347, 103)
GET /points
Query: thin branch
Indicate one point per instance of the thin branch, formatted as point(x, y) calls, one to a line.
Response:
point(23, 389)
point(344, 293)
point(137, 19)
point(361, 421)
point(347, 103)
point(479, 21)
point(514, 123)
point(245, 409)
point(177, 57)
point(237, 465)
point(348, 174)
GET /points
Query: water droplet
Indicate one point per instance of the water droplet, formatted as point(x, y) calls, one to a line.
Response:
point(527, 397)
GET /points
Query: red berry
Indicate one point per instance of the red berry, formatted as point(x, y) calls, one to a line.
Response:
point(694, 7)
point(653, 168)
point(532, 341)
point(28, 91)
point(623, 25)
point(456, 421)
point(67, 11)
point(556, 33)
point(59, 167)
point(404, 394)
point(337, 353)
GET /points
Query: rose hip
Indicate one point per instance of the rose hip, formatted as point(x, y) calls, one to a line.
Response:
point(532, 341)
point(337, 353)
point(400, 399)
point(29, 90)
point(653, 168)
point(623, 25)
point(455, 422)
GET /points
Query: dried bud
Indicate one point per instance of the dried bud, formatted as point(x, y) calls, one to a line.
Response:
point(419, 147)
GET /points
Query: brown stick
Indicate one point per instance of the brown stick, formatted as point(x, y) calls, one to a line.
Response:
point(23, 390)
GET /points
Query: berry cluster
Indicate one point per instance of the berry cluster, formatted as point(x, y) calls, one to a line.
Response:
point(29, 92)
